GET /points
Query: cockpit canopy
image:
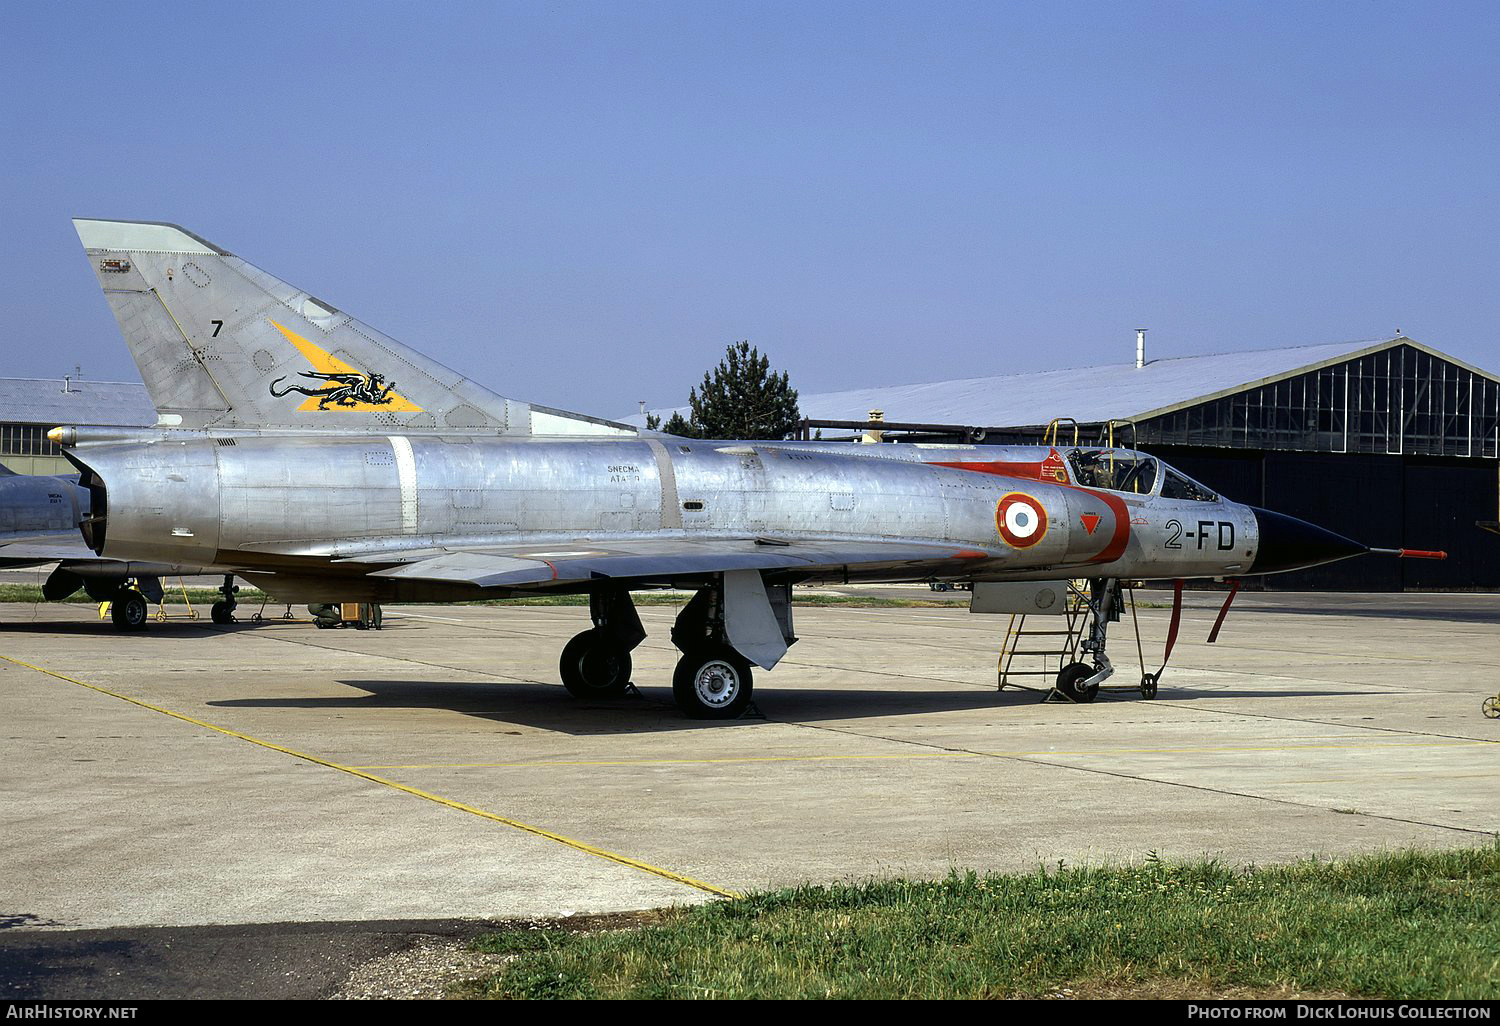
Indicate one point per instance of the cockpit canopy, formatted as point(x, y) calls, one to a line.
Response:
point(1125, 470)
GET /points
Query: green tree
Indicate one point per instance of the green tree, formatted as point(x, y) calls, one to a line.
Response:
point(677, 424)
point(740, 398)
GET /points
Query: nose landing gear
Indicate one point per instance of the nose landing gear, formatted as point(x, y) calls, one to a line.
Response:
point(1079, 652)
point(1079, 681)
point(1073, 682)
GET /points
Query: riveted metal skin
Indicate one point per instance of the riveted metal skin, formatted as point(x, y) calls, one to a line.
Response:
point(310, 503)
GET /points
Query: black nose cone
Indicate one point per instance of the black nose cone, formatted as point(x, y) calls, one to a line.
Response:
point(1287, 543)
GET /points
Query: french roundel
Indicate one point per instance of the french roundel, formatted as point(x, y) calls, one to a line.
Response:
point(1021, 520)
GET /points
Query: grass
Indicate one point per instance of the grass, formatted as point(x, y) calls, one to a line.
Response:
point(33, 593)
point(1406, 925)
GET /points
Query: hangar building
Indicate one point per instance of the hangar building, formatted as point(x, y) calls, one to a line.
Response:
point(1388, 441)
point(30, 407)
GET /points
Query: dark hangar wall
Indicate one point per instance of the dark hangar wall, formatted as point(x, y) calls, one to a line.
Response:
point(1396, 448)
point(1417, 502)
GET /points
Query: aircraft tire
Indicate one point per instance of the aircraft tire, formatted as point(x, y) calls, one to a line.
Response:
point(594, 665)
point(712, 682)
point(222, 612)
point(1148, 684)
point(128, 609)
point(1069, 682)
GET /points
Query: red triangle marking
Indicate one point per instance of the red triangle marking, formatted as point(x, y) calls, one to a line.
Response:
point(1090, 521)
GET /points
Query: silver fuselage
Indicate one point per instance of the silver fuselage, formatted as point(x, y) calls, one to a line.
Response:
point(296, 505)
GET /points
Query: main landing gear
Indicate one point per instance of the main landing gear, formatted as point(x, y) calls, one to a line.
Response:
point(730, 622)
point(596, 663)
point(712, 681)
point(223, 610)
point(127, 599)
point(127, 608)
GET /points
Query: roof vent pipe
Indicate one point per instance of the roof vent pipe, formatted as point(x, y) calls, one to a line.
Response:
point(1140, 348)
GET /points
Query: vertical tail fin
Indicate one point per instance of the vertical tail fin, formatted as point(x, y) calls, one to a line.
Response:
point(221, 343)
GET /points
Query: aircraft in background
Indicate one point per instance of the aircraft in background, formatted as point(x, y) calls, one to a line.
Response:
point(324, 461)
point(39, 518)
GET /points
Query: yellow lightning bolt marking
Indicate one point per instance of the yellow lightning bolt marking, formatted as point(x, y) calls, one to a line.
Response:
point(326, 363)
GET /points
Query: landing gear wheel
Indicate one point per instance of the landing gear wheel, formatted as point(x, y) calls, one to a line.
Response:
point(712, 682)
point(594, 665)
point(1492, 707)
point(1148, 684)
point(128, 609)
point(1069, 682)
point(222, 612)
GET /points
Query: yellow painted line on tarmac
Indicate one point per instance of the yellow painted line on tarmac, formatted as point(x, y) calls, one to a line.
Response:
point(577, 845)
point(1434, 775)
point(902, 756)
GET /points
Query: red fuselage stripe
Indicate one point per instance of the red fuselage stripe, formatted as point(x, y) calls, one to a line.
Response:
point(1024, 471)
point(1113, 549)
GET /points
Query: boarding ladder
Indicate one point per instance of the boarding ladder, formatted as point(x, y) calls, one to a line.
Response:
point(1044, 652)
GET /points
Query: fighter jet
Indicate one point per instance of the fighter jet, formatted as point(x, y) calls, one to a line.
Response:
point(388, 478)
point(39, 519)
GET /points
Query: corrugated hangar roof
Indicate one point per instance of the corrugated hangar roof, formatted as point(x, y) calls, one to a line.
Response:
point(1113, 392)
point(52, 402)
point(1088, 394)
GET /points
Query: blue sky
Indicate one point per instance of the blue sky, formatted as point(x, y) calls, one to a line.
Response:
point(582, 204)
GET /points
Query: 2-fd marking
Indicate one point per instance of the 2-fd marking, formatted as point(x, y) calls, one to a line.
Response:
point(1221, 535)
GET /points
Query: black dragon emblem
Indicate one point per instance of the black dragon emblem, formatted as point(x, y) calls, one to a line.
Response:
point(351, 389)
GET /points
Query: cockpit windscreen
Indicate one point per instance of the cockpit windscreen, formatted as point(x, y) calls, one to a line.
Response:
point(1176, 486)
point(1115, 470)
